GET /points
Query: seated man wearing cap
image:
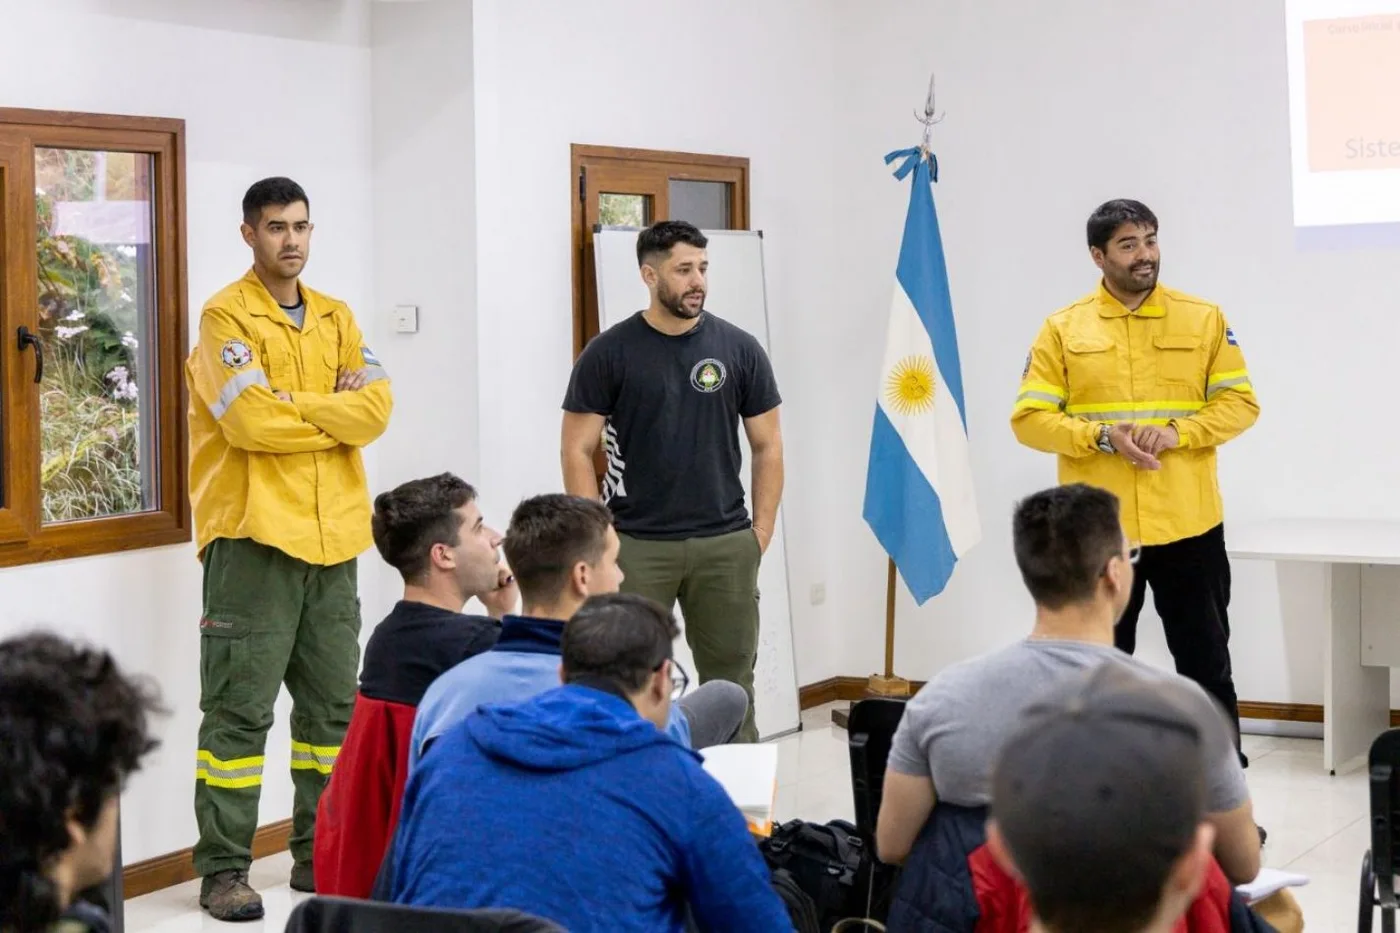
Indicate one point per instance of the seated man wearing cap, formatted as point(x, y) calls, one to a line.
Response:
point(1078, 567)
point(1099, 804)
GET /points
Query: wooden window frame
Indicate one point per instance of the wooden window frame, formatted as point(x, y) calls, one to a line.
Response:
point(640, 163)
point(24, 538)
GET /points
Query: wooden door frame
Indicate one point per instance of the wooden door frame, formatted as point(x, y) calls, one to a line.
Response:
point(678, 165)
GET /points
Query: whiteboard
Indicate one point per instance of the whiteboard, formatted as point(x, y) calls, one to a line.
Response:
point(737, 294)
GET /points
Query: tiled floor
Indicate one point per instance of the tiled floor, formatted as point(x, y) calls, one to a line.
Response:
point(1317, 826)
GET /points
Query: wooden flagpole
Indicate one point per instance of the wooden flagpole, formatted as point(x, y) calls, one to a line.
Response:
point(888, 684)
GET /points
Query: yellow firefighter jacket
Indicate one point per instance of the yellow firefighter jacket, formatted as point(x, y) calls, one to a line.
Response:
point(285, 474)
point(1173, 361)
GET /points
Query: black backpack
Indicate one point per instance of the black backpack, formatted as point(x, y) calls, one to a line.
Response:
point(802, 910)
point(830, 862)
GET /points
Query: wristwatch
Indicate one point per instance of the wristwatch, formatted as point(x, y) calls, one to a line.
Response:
point(1105, 442)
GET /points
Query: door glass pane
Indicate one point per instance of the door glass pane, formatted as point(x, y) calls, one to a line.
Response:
point(703, 203)
point(96, 319)
point(624, 210)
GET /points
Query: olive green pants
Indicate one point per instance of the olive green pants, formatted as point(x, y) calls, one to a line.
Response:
point(269, 619)
point(716, 582)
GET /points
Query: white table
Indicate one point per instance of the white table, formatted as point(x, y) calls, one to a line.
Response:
point(1361, 607)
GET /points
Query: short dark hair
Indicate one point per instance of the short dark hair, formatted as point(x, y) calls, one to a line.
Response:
point(271, 192)
point(620, 637)
point(1111, 215)
point(409, 520)
point(1099, 790)
point(72, 729)
point(1064, 538)
point(548, 536)
point(660, 238)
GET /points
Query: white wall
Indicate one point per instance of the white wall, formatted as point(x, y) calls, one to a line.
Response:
point(425, 243)
point(736, 78)
point(266, 88)
point(1052, 109)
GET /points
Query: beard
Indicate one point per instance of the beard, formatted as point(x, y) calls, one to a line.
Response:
point(675, 303)
point(1129, 280)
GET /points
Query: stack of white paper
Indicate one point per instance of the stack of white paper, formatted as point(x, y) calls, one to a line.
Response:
point(749, 774)
point(1270, 881)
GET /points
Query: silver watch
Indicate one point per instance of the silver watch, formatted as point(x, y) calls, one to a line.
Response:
point(1105, 441)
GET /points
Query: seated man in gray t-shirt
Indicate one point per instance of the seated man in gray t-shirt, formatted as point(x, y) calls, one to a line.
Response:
point(1079, 569)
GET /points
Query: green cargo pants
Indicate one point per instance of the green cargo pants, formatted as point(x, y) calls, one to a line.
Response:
point(269, 619)
point(716, 582)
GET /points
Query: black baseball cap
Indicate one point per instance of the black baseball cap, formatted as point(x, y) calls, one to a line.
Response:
point(1102, 787)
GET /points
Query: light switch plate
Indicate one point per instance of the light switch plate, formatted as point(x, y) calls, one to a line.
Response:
point(405, 319)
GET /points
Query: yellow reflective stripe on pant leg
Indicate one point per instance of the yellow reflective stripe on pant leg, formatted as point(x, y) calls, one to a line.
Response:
point(307, 757)
point(233, 774)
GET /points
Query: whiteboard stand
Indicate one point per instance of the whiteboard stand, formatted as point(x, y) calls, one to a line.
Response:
point(1359, 614)
point(737, 293)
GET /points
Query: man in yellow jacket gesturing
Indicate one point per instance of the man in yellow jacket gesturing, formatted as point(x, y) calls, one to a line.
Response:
point(1135, 386)
point(283, 394)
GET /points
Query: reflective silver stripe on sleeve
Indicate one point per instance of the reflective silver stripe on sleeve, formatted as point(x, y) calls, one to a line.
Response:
point(374, 374)
point(1224, 384)
point(234, 388)
point(1042, 397)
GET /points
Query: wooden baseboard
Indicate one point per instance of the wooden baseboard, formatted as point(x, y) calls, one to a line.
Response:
point(853, 688)
point(838, 688)
point(831, 690)
point(1294, 712)
point(166, 871)
point(1282, 712)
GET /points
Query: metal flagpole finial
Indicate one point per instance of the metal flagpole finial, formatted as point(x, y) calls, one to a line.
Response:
point(930, 116)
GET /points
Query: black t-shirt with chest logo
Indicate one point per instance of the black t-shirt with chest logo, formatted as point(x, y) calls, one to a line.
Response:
point(673, 406)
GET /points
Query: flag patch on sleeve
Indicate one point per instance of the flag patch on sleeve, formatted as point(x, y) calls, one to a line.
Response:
point(370, 358)
point(1230, 337)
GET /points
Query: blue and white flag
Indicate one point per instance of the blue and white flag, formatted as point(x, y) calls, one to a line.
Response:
point(919, 499)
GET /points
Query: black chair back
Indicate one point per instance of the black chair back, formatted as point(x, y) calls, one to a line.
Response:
point(343, 915)
point(870, 731)
point(1378, 866)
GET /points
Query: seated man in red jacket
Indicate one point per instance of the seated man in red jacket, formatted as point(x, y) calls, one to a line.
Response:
point(432, 532)
point(1100, 818)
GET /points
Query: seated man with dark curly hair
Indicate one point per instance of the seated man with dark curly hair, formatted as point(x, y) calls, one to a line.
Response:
point(73, 728)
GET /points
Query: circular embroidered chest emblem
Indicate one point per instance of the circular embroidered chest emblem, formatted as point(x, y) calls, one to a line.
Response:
point(708, 375)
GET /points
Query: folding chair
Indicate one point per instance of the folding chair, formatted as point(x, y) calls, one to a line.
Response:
point(1379, 863)
point(870, 732)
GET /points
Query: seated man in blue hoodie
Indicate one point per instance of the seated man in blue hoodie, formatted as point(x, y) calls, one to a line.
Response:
point(575, 807)
point(562, 549)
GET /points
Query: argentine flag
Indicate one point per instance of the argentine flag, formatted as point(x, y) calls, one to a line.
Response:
point(918, 488)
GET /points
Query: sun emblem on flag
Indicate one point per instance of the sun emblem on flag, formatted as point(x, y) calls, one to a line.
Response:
point(909, 387)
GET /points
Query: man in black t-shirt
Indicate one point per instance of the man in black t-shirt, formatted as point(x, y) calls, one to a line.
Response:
point(664, 392)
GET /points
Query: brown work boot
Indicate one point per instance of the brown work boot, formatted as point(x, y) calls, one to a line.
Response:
point(227, 896)
point(303, 878)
